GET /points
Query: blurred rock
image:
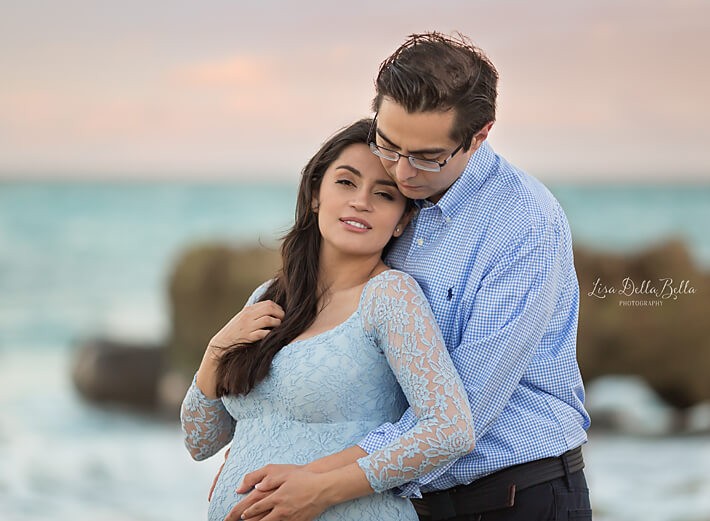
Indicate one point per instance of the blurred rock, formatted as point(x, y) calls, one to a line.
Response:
point(698, 419)
point(627, 404)
point(666, 343)
point(208, 286)
point(171, 390)
point(108, 371)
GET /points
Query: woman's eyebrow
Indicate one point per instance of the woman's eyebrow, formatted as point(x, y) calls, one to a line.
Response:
point(352, 169)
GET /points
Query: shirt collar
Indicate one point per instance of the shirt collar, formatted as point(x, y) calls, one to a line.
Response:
point(478, 169)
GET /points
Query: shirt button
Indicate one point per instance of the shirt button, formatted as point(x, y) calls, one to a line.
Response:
point(447, 219)
point(420, 242)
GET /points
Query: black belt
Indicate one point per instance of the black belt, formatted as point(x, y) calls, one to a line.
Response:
point(497, 490)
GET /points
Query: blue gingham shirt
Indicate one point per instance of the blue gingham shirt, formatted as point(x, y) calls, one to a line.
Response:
point(494, 258)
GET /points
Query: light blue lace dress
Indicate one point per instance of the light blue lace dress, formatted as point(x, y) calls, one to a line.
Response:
point(326, 392)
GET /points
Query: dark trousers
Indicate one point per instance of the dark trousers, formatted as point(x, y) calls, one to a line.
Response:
point(561, 499)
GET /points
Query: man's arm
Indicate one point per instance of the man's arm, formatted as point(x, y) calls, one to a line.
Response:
point(512, 308)
point(513, 311)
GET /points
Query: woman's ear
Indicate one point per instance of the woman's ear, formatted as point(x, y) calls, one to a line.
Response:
point(314, 205)
point(403, 222)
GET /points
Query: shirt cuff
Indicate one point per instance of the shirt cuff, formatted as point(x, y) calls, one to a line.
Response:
point(409, 490)
point(379, 438)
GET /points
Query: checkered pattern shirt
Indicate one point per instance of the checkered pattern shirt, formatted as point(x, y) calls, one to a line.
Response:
point(494, 258)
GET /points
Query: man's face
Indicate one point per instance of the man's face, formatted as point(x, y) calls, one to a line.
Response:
point(424, 135)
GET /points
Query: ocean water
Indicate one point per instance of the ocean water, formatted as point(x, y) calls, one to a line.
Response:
point(79, 259)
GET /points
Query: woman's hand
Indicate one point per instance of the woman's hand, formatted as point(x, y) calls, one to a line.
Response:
point(249, 325)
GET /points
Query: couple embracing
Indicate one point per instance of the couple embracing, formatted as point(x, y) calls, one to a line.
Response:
point(415, 356)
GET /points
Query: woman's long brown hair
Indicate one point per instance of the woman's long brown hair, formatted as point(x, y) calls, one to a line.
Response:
point(295, 287)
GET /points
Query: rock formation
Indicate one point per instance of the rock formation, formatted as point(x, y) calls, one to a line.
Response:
point(114, 372)
point(644, 324)
point(208, 286)
point(666, 341)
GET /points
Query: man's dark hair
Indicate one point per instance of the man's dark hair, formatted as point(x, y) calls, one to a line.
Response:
point(435, 72)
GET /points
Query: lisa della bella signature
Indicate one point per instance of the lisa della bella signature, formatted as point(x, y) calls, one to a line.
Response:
point(663, 289)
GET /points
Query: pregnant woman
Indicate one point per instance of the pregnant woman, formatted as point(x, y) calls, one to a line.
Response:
point(333, 346)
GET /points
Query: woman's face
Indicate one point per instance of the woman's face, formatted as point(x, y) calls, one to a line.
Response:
point(358, 204)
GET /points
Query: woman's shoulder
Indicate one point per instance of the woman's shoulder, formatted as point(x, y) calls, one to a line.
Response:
point(392, 274)
point(391, 300)
point(391, 282)
point(259, 292)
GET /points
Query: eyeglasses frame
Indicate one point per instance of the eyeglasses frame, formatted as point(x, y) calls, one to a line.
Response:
point(375, 149)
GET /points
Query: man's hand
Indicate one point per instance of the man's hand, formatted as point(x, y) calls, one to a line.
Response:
point(281, 493)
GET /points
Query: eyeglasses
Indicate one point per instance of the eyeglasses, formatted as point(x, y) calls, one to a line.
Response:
point(428, 165)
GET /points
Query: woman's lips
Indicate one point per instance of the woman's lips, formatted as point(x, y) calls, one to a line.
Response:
point(356, 224)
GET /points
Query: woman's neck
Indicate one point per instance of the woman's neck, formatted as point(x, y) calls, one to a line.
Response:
point(343, 272)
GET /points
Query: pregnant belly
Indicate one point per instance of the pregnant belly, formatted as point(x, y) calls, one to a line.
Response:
point(258, 442)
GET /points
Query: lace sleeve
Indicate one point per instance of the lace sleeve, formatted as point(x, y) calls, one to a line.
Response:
point(207, 426)
point(398, 316)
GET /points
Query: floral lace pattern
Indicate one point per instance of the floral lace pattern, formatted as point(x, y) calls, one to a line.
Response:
point(206, 424)
point(398, 317)
point(326, 392)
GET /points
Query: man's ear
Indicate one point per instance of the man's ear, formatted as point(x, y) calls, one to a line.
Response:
point(480, 136)
point(403, 222)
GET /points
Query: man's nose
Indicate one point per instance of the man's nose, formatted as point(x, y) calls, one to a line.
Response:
point(404, 170)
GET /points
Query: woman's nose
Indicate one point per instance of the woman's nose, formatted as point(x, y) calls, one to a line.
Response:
point(361, 201)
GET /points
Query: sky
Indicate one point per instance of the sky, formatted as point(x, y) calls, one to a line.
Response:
point(589, 91)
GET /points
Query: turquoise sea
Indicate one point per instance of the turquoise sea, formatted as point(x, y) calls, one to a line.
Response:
point(79, 259)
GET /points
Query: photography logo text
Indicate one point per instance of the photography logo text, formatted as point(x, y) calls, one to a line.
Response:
point(646, 292)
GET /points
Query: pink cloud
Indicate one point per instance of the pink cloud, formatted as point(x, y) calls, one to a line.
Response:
point(615, 74)
point(231, 72)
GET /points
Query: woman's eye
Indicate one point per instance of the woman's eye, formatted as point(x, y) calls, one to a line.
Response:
point(345, 182)
point(386, 195)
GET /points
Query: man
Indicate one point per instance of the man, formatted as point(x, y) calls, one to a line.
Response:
point(491, 248)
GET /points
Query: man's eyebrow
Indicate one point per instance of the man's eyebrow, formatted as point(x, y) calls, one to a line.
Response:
point(433, 150)
point(386, 182)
